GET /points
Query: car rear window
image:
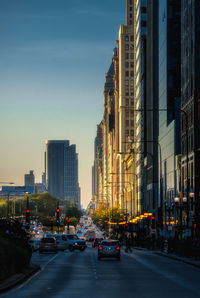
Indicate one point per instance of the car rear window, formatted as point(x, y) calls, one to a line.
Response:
point(109, 243)
point(48, 240)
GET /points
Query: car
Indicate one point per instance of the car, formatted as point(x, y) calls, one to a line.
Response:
point(74, 242)
point(35, 244)
point(48, 244)
point(109, 249)
point(97, 241)
point(61, 241)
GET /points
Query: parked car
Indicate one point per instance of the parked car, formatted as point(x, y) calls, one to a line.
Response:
point(109, 249)
point(35, 244)
point(48, 244)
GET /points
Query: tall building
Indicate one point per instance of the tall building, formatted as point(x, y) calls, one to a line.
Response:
point(126, 95)
point(151, 146)
point(169, 95)
point(97, 167)
point(62, 170)
point(190, 94)
point(29, 179)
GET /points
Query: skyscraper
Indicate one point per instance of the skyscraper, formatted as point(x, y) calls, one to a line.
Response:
point(62, 170)
point(29, 179)
point(190, 95)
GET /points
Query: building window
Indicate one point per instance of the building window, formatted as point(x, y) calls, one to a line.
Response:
point(127, 102)
point(143, 9)
point(132, 82)
point(132, 56)
point(127, 92)
point(132, 123)
point(126, 47)
point(127, 113)
point(127, 38)
point(143, 23)
point(127, 83)
point(132, 113)
point(131, 64)
point(127, 73)
point(132, 102)
point(130, 2)
point(127, 65)
point(131, 15)
point(127, 123)
point(130, 8)
point(126, 132)
point(127, 55)
point(131, 73)
point(132, 132)
point(130, 22)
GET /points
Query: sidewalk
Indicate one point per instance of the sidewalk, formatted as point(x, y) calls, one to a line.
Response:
point(189, 261)
point(18, 278)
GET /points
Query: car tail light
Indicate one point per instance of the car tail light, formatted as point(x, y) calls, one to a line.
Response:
point(55, 244)
point(117, 247)
point(40, 243)
point(100, 247)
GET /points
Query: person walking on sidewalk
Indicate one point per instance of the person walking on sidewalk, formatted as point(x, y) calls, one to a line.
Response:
point(128, 243)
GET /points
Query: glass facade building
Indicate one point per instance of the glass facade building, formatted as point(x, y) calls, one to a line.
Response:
point(169, 94)
point(62, 170)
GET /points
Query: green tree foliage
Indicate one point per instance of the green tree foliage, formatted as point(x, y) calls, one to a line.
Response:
point(73, 221)
point(102, 215)
point(73, 211)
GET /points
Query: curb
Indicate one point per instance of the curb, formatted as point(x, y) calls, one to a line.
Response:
point(177, 259)
point(18, 279)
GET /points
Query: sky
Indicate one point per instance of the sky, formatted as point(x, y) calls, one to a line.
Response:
point(54, 55)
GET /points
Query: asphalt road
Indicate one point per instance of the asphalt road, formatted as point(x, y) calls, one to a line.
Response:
point(140, 274)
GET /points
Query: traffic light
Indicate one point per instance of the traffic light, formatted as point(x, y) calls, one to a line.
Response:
point(57, 214)
point(153, 222)
point(27, 216)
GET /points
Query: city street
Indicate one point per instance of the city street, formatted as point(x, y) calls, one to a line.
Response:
point(139, 274)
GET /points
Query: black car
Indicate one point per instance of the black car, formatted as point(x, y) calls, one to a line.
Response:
point(109, 249)
point(48, 244)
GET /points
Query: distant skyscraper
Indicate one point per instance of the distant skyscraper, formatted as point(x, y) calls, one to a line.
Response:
point(62, 170)
point(29, 179)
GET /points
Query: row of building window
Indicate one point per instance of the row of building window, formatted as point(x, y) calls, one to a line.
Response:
point(129, 93)
point(129, 73)
point(129, 123)
point(129, 56)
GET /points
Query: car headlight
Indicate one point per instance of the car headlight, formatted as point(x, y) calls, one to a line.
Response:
point(75, 243)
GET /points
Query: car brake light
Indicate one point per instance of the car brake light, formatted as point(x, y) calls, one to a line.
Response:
point(117, 248)
point(40, 244)
point(100, 247)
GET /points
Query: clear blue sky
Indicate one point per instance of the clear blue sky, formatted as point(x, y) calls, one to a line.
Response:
point(53, 58)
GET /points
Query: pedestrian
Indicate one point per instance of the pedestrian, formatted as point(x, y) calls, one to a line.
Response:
point(128, 243)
